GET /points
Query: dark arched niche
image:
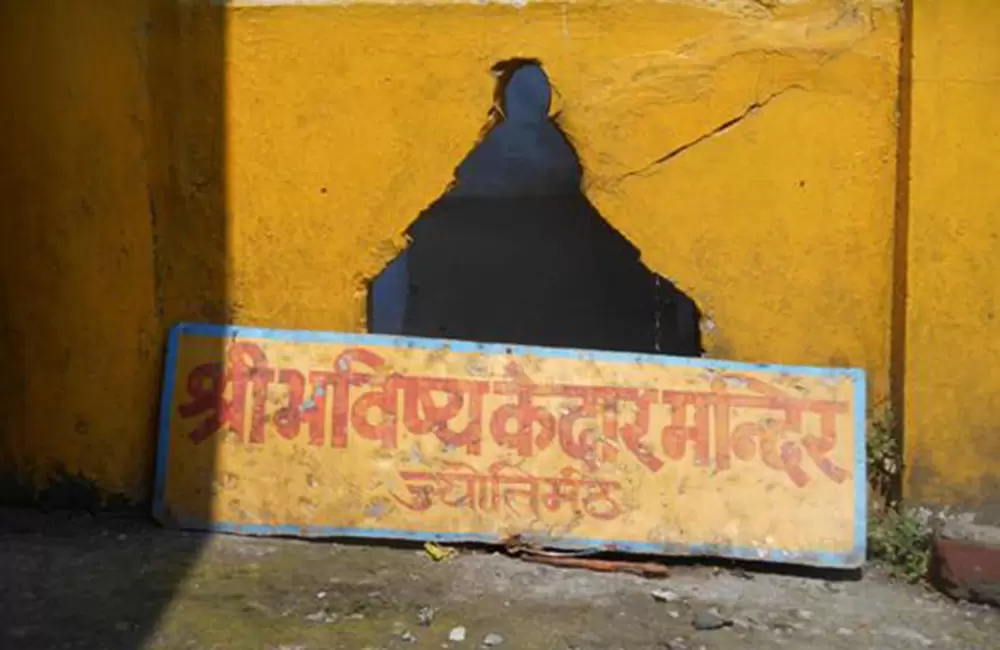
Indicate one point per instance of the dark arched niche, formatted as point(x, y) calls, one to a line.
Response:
point(514, 252)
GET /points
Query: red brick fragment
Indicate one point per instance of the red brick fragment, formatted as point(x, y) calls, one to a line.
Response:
point(965, 562)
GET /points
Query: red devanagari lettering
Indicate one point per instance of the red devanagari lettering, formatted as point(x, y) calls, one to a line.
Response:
point(678, 433)
point(776, 451)
point(516, 483)
point(591, 446)
point(422, 494)
point(421, 414)
point(634, 432)
point(246, 364)
point(818, 447)
point(505, 484)
point(357, 414)
point(599, 502)
point(289, 417)
point(523, 414)
point(564, 488)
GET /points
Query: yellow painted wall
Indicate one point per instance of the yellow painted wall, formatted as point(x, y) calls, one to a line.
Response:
point(378, 104)
point(280, 152)
point(953, 312)
point(79, 341)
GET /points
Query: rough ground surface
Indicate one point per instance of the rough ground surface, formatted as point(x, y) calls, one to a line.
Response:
point(75, 581)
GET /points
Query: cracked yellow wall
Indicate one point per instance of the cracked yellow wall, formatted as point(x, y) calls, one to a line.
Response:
point(953, 311)
point(747, 147)
point(780, 225)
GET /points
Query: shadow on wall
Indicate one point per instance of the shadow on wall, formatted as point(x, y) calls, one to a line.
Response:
point(113, 155)
point(515, 253)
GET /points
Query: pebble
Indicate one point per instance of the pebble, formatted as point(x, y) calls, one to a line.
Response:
point(426, 616)
point(492, 640)
point(909, 635)
point(709, 620)
point(786, 626)
point(322, 616)
point(457, 635)
point(665, 596)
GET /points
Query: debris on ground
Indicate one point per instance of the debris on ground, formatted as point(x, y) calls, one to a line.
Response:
point(426, 616)
point(407, 637)
point(492, 640)
point(438, 553)
point(457, 635)
point(516, 547)
point(665, 596)
point(710, 619)
point(199, 592)
point(643, 569)
point(322, 616)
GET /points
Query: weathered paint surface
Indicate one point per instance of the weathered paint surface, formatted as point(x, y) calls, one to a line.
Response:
point(953, 312)
point(753, 220)
point(285, 432)
point(79, 340)
point(259, 164)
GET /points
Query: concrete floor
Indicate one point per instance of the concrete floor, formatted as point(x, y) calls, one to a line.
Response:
point(78, 581)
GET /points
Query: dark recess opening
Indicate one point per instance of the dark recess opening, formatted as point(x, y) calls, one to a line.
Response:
point(514, 252)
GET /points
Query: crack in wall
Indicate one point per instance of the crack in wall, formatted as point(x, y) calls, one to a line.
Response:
point(750, 111)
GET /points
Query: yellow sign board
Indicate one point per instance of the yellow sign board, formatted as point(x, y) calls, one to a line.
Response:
point(341, 435)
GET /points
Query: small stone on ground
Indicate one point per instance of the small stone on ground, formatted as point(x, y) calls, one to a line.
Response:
point(709, 620)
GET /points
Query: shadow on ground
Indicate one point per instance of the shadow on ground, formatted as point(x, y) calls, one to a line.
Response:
point(76, 581)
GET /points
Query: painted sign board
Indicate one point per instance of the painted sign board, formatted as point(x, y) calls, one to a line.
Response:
point(342, 435)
